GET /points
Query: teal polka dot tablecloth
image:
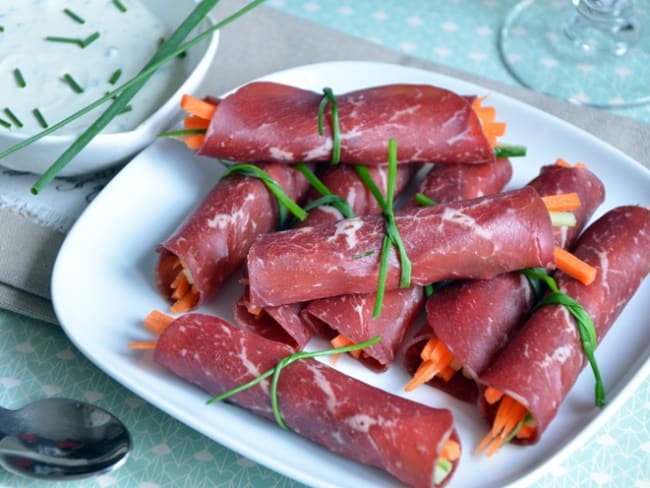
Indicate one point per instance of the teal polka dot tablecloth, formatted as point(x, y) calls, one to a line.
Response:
point(464, 34)
point(37, 360)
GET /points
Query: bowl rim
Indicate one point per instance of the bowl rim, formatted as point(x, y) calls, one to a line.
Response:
point(149, 123)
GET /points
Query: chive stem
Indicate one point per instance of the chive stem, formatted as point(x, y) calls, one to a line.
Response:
point(72, 83)
point(20, 80)
point(39, 117)
point(127, 90)
point(280, 365)
point(115, 76)
point(15, 120)
point(284, 201)
point(423, 200)
point(328, 198)
point(120, 6)
point(5, 124)
point(73, 16)
point(392, 232)
point(586, 327)
point(506, 151)
point(330, 99)
point(182, 132)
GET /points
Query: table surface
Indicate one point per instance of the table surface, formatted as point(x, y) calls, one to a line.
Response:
point(37, 359)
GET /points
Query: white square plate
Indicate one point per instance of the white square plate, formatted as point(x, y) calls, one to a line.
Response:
point(103, 286)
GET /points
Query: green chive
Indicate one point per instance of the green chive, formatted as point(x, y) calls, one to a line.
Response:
point(120, 6)
point(284, 201)
point(504, 151)
point(73, 16)
point(39, 117)
point(90, 39)
point(280, 365)
point(18, 76)
point(82, 43)
point(336, 133)
point(115, 76)
point(65, 40)
point(72, 83)
point(2, 29)
point(15, 120)
point(182, 132)
point(126, 109)
point(423, 200)
point(126, 91)
point(328, 198)
point(5, 124)
point(586, 328)
point(392, 233)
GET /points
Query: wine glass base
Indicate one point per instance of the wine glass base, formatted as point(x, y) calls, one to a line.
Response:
point(538, 53)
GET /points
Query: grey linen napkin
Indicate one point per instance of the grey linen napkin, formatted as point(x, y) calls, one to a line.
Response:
point(261, 42)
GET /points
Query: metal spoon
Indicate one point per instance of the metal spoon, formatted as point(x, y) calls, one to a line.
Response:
point(61, 439)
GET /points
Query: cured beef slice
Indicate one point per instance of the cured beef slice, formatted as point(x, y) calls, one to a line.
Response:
point(344, 415)
point(265, 121)
point(542, 362)
point(477, 238)
point(475, 319)
point(352, 315)
point(285, 322)
point(213, 240)
point(452, 182)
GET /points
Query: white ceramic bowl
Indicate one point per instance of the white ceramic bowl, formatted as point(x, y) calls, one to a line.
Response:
point(109, 149)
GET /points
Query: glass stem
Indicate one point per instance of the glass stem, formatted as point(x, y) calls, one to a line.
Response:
point(603, 26)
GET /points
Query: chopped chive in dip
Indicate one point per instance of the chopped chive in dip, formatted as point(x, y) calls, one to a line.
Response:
point(11, 116)
point(90, 39)
point(39, 117)
point(126, 109)
point(4, 123)
point(115, 76)
point(19, 78)
point(73, 16)
point(120, 6)
point(72, 83)
point(82, 43)
point(2, 29)
point(65, 40)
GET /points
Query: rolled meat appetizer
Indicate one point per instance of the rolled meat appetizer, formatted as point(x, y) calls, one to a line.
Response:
point(469, 322)
point(265, 121)
point(453, 182)
point(285, 322)
point(348, 319)
point(524, 387)
point(478, 238)
point(213, 240)
point(415, 443)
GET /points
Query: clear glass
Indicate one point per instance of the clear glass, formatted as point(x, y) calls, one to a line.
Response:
point(580, 49)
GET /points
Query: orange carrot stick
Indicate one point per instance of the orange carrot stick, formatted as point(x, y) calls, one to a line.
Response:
point(574, 266)
point(157, 321)
point(436, 358)
point(486, 115)
point(194, 122)
point(180, 285)
point(450, 450)
point(510, 414)
point(194, 141)
point(196, 106)
point(492, 395)
point(564, 202)
point(342, 341)
point(186, 302)
point(142, 345)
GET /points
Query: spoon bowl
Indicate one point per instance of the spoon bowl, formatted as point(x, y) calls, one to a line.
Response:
point(61, 439)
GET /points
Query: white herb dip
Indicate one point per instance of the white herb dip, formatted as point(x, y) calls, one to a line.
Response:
point(127, 40)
